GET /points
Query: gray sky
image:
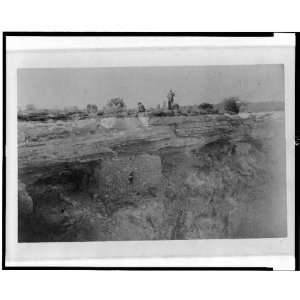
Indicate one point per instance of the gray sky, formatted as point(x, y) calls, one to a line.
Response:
point(47, 88)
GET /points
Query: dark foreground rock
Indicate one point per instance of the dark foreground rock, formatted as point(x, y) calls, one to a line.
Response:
point(210, 176)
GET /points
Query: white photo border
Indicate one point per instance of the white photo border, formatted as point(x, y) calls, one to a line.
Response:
point(145, 51)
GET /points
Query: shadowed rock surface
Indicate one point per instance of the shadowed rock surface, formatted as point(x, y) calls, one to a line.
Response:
point(209, 176)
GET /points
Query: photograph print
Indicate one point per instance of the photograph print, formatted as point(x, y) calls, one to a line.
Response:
point(151, 153)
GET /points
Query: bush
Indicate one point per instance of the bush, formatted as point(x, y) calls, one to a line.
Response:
point(231, 105)
point(116, 102)
point(206, 106)
point(160, 113)
point(114, 106)
point(91, 108)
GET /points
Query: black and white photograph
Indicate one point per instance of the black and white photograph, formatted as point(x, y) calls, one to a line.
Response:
point(178, 148)
point(151, 153)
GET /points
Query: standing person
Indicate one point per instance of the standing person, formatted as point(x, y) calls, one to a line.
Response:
point(141, 107)
point(170, 96)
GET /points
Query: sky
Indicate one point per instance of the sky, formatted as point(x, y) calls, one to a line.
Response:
point(64, 87)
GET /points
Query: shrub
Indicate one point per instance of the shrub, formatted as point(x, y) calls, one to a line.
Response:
point(91, 108)
point(206, 106)
point(116, 102)
point(161, 113)
point(114, 106)
point(231, 105)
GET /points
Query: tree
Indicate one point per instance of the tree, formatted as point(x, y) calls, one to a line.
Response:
point(91, 108)
point(206, 106)
point(231, 105)
point(116, 102)
point(115, 105)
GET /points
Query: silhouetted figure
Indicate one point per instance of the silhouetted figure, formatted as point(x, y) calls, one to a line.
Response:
point(141, 107)
point(170, 96)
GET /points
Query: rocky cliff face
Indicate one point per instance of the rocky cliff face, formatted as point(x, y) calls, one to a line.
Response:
point(198, 177)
